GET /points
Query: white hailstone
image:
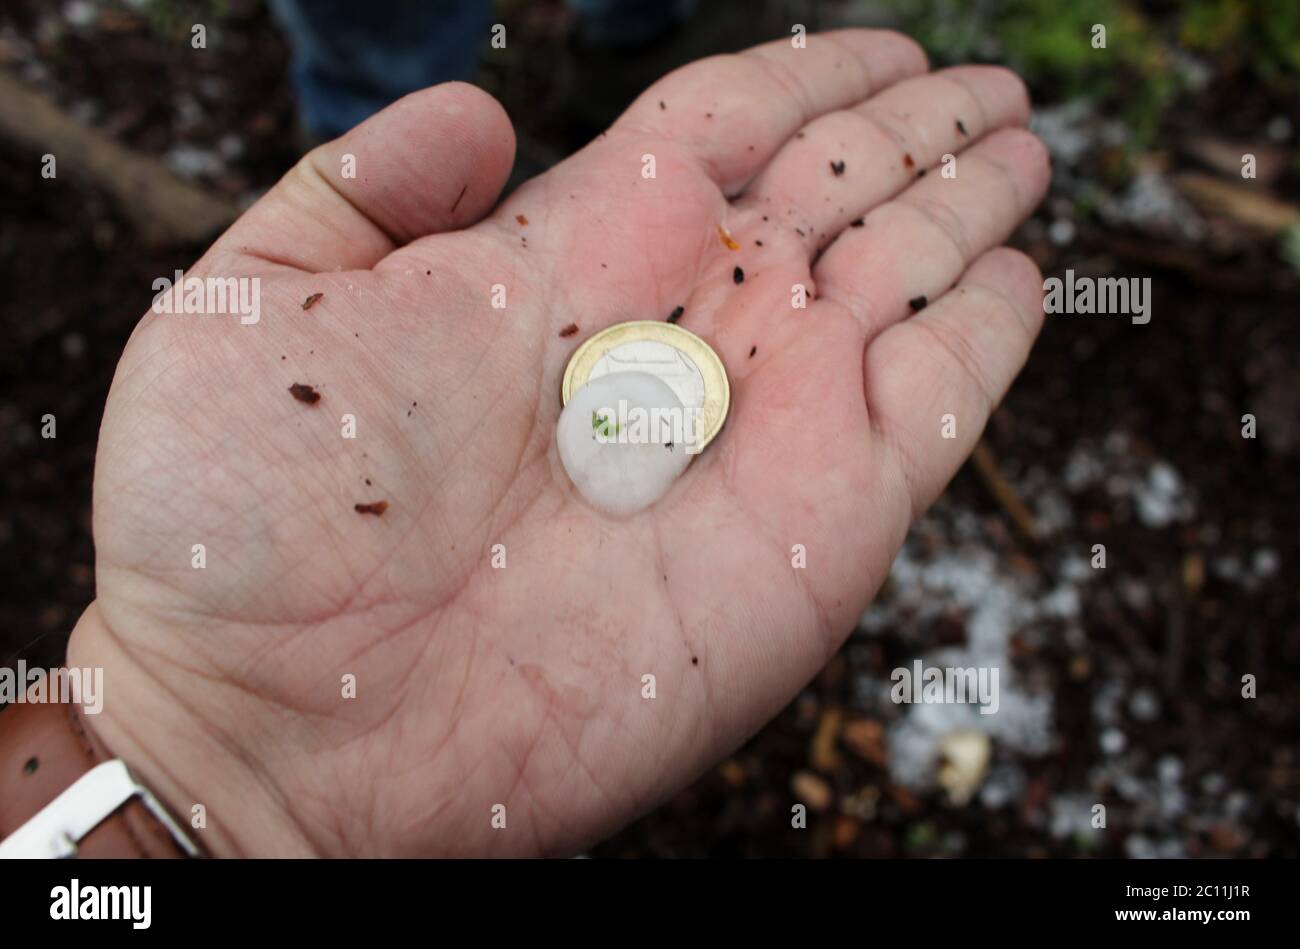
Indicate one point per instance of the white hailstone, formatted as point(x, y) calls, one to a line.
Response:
point(618, 466)
point(1113, 741)
point(964, 758)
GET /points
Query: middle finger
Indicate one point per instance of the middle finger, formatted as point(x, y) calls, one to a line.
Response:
point(844, 163)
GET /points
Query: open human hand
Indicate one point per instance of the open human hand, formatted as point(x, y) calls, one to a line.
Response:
point(523, 685)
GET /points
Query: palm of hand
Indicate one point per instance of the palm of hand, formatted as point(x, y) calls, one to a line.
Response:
point(515, 674)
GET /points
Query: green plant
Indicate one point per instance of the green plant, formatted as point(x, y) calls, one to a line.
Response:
point(1270, 33)
point(1050, 43)
point(1290, 247)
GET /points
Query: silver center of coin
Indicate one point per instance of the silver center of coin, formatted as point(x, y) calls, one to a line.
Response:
point(660, 359)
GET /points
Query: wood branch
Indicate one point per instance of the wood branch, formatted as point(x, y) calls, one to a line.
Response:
point(986, 466)
point(163, 208)
point(1241, 277)
point(1225, 157)
point(1251, 207)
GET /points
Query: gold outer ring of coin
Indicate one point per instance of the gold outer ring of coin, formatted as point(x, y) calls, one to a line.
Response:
point(717, 388)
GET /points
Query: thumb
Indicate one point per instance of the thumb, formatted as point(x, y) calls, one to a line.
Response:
point(435, 160)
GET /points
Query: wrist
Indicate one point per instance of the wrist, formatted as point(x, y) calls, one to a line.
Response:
point(198, 769)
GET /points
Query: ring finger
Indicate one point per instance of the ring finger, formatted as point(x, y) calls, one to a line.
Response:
point(914, 248)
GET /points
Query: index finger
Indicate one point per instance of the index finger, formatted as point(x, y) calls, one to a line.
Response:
point(732, 112)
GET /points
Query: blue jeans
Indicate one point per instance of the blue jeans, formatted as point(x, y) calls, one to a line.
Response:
point(352, 58)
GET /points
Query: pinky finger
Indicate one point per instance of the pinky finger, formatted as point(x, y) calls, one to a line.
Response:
point(932, 381)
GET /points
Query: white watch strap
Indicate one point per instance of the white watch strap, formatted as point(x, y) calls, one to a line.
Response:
point(57, 828)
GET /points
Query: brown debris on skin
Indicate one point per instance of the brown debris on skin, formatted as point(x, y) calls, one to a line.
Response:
point(752, 351)
point(908, 160)
point(837, 168)
point(304, 393)
point(918, 303)
point(311, 301)
point(676, 314)
point(569, 330)
point(523, 221)
point(663, 106)
point(961, 127)
point(374, 507)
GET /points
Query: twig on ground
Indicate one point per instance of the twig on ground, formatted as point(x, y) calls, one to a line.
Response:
point(986, 466)
point(163, 208)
